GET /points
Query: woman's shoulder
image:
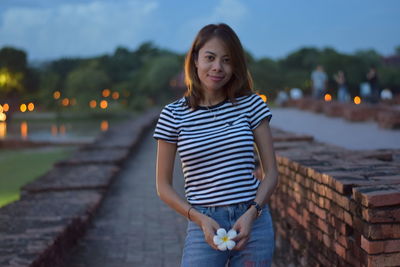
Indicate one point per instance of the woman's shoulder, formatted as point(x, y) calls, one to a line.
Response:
point(177, 107)
point(248, 99)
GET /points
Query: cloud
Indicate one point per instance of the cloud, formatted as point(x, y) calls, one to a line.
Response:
point(231, 12)
point(76, 29)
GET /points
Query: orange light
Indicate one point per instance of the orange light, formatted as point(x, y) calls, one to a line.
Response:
point(3, 130)
point(92, 103)
point(328, 97)
point(115, 95)
point(106, 92)
point(22, 107)
point(263, 97)
point(31, 106)
point(65, 102)
point(24, 130)
point(357, 100)
point(6, 107)
point(56, 95)
point(103, 104)
point(104, 126)
point(3, 116)
point(54, 130)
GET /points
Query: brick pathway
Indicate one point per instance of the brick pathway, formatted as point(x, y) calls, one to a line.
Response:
point(133, 226)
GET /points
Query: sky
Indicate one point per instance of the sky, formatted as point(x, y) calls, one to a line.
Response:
point(52, 29)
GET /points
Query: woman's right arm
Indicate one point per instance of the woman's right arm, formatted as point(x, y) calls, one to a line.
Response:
point(164, 176)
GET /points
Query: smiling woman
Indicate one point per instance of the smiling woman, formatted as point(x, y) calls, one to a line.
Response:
point(214, 129)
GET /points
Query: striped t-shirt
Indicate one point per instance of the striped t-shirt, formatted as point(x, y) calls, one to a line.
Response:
point(216, 147)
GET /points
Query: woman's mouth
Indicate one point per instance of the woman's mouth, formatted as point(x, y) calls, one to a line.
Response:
point(216, 78)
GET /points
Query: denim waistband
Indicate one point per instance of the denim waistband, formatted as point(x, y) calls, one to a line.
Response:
point(240, 206)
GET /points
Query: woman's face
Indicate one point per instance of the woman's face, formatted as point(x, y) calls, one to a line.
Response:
point(214, 65)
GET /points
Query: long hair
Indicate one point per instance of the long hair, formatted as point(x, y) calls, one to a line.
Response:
point(240, 83)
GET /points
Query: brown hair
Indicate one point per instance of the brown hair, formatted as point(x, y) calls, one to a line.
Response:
point(240, 83)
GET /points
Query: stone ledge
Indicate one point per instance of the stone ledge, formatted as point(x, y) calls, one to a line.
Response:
point(38, 229)
point(54, 210)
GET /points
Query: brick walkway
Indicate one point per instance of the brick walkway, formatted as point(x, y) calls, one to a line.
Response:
point(134, 227)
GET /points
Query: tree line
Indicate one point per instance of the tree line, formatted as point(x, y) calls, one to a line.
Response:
point(150, 75)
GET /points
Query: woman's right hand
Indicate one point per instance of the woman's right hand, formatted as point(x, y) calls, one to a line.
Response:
point(209, 227)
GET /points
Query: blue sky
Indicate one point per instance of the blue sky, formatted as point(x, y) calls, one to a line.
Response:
point(50, 29)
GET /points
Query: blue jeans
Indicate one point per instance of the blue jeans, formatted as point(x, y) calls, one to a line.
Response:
point(258, 251)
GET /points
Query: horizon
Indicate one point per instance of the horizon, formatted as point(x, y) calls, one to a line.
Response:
point(50, 30)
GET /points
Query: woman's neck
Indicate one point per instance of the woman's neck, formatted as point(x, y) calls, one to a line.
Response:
point(211, 99)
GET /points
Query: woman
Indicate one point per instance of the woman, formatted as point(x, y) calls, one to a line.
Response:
point(214, 128)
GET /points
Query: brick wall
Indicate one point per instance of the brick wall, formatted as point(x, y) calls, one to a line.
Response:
point(335, 207)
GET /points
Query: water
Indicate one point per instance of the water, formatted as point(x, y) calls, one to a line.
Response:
point(53, 130)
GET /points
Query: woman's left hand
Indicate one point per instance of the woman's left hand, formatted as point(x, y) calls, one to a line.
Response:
point(243, 228)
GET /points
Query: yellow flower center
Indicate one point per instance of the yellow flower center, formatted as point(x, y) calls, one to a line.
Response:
point(225, 239)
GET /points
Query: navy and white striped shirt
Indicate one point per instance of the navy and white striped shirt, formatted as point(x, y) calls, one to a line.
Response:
point(216, 147)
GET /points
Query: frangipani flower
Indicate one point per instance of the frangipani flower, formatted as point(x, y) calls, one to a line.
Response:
point(223, 239)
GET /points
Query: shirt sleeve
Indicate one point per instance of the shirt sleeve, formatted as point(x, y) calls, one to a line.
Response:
point(166, 128)
point(258, 111)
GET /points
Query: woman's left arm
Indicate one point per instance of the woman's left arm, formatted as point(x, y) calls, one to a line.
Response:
point(263, 139)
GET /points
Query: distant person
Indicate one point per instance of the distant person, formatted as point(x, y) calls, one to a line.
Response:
point(342, 94)
point(214, 128)
point(319, 81)
point(372, 78)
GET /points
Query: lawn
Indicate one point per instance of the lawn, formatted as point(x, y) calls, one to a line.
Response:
point(18, 167)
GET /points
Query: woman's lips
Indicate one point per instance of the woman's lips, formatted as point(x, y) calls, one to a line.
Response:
point(216, 78)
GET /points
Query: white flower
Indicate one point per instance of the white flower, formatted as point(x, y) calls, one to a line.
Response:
point(223, 239)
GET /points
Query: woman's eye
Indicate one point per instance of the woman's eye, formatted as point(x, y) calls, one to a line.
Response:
point(209, 58)
point(227, 60)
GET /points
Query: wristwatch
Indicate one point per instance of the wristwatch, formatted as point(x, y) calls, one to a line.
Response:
point(257, 206)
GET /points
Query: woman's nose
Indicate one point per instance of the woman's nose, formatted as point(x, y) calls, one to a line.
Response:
point(217, 65)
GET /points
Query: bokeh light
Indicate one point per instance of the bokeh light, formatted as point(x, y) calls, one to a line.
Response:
point(93, 103)
point(56, 95)
point(103, 104)
point(22, 107)
point(106, 92)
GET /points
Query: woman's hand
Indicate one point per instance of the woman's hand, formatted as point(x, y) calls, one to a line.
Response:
point(243, 227)
point(209, 227)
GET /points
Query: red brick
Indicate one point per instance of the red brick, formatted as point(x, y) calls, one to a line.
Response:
point(391, 259)
point(348, 218)
point(377, 231)
point(323, 226)
point(321, 213)
point(376, 247)
point(340, 250)
point(378, 196)
point(381, 215)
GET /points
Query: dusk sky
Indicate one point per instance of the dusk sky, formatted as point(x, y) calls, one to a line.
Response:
point(51, 29)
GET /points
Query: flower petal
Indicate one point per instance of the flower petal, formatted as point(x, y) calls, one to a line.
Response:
point(221, 232)
point(232, 233)
point(217, 240)
point(222, 247)
point(230, 244)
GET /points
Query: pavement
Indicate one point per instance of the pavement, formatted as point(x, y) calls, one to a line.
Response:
point(336, 131)
point(133, 227)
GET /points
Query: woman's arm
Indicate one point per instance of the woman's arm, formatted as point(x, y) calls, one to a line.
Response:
point(165, 166)
point(265, 148)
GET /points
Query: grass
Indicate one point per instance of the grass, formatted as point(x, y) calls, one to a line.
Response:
point(18, 167)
